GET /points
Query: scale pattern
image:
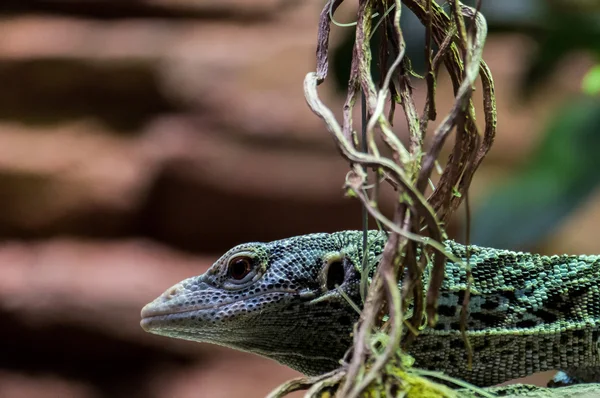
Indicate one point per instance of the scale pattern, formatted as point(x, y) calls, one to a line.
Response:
point(527, 313)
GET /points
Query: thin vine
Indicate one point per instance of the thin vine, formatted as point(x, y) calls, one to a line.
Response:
point(415, 229)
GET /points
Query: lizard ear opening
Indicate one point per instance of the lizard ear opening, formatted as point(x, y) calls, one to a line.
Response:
point(335, 274)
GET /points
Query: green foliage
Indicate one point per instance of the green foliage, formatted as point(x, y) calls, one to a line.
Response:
point(560, 175)
point(563, 171)
point(591, 81)
point(566, 31)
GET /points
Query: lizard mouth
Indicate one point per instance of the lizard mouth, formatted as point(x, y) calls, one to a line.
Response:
point(160, 310)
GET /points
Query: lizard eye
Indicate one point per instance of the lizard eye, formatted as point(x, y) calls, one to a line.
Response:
point(239, 267)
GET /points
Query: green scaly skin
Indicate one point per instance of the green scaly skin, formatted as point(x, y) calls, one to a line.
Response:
point(527, 313)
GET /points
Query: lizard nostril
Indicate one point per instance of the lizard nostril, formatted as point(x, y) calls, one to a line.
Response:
point(172, 292)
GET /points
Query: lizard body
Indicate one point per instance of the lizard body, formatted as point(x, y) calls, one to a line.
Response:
point(527, 313)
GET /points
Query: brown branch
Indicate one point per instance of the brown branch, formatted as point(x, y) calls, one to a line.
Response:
point(415, 230)
point(323, 38)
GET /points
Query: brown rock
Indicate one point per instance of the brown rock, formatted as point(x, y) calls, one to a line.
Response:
point(235, 375)
point(167, 9)
point(73, 179)
point(15, 385)
point(98, 285)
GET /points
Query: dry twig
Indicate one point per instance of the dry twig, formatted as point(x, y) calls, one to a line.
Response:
point(415, 228)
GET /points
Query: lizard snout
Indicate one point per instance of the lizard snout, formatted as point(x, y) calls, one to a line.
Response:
point(162, 305)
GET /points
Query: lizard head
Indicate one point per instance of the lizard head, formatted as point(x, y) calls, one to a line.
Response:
point(281, 300)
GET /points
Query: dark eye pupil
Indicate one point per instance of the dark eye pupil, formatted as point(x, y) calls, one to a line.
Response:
point(239, 268)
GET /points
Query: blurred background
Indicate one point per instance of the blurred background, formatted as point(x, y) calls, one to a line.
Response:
point(140, 139)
